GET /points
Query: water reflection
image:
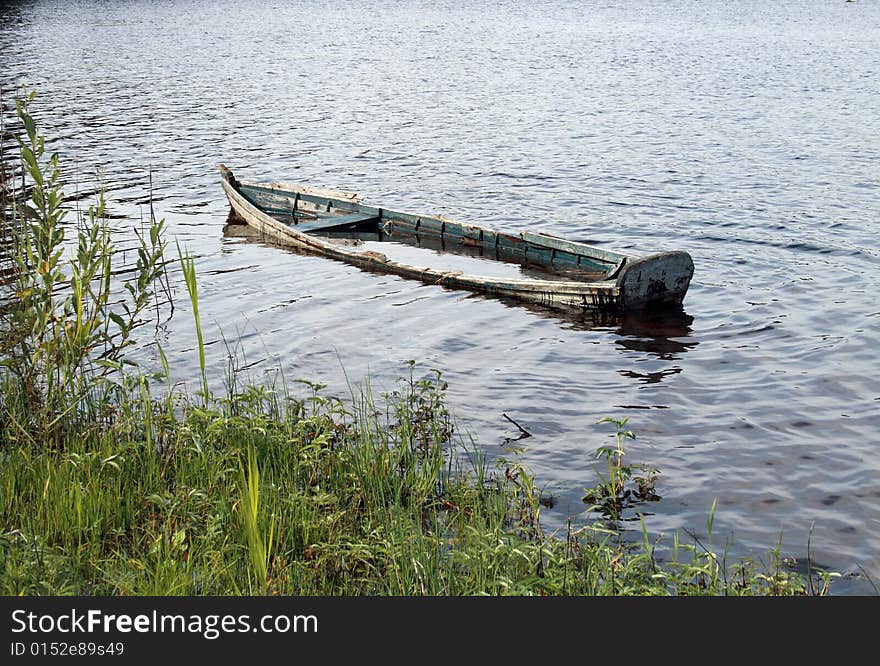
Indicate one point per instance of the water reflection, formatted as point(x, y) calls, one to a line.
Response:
point(658, 333)
point(650, 377)
point(665, 333)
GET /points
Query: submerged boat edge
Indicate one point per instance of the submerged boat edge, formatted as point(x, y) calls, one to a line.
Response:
point(658, 280)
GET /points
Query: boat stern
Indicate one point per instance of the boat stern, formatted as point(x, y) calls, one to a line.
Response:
point(659, 279)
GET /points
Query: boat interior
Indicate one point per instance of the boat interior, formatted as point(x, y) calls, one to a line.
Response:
point(432, 241)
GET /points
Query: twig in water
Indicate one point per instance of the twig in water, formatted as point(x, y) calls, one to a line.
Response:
point(523, 432)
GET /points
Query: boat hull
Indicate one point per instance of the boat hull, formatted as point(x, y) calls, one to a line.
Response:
point(630, 283)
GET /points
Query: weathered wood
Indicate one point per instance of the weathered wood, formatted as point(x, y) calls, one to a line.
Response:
point(656, 278)
point(596, 255)
point(624, 282)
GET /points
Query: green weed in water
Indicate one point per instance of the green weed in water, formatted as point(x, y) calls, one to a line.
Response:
point(625, 485)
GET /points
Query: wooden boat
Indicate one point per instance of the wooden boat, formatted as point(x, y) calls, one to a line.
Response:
point(529, 266)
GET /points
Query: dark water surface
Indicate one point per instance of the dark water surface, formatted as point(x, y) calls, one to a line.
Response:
point(747, 134)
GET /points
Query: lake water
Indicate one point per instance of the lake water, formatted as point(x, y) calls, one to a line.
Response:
point(747, 134)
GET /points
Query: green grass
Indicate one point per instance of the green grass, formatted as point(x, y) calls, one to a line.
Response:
point(116, 483)
point(264, 494)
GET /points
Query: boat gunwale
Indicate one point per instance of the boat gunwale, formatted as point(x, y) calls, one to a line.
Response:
point(352, 201)
point(567, 288)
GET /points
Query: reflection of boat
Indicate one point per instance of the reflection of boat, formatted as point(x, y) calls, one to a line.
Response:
point(530, 267)
point(658, 333)
point(650, 377)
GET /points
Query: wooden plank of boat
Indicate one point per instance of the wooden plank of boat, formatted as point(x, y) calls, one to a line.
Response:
point(570, 274)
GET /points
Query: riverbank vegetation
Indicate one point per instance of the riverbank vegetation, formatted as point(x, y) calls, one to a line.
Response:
point(116, 481)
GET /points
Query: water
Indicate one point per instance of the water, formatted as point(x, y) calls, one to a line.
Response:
point(747, 134)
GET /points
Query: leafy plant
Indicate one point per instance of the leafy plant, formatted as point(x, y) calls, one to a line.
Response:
point(64, 328)
point(625, 485)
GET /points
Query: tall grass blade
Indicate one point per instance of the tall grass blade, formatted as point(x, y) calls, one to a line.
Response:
point(188, 266)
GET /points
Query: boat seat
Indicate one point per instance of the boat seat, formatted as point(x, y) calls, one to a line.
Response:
point(330, 223)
